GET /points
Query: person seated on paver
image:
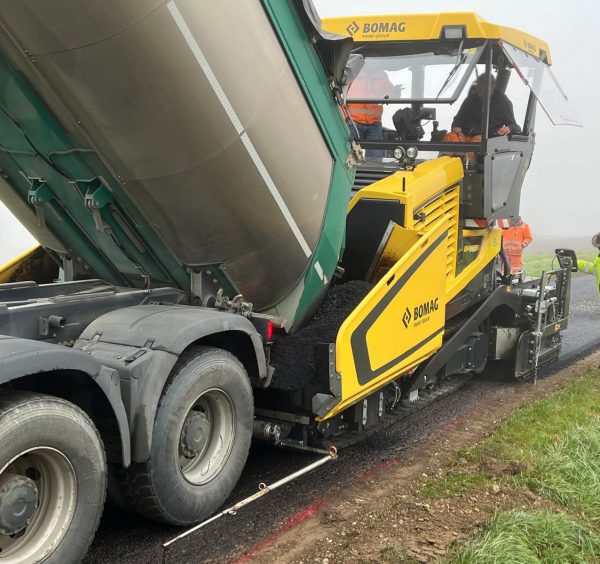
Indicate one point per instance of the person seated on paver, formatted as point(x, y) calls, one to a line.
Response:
point(466, 126)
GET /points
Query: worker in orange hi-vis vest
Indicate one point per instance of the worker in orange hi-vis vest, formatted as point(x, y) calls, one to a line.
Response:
point(369, 84)
point(514, 239)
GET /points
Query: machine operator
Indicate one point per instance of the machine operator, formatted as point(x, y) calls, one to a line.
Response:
point(466, 126)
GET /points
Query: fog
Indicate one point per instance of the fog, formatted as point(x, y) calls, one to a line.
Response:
point(15, 238)
point(561, 193)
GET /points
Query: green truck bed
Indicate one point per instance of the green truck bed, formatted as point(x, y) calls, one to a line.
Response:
point(149, 143)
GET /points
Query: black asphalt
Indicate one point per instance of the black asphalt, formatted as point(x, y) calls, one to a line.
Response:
point(127, 538)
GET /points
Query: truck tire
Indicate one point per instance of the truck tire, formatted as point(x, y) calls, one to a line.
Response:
point(201, 438)
point(52, 479)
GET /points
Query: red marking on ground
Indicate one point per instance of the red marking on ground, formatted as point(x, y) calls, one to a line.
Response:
point(294, 521)
point(310, 511)
point(458, 421)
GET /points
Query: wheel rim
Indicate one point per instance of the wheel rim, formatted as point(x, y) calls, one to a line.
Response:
point(206, 436)
point(56, 488)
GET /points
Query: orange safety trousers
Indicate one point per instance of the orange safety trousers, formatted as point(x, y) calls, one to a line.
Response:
point(452, 137)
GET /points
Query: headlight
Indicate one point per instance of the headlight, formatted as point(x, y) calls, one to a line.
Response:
point(454, 32)
point(412, 153)
point(399, 153)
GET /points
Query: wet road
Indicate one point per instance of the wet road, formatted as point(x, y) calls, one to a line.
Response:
point(127, 538)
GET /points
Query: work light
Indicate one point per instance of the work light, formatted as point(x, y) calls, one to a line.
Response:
point(399, 153)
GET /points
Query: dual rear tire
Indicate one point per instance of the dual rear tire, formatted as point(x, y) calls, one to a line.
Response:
point(202, 434)
point(52, 480)
point(53, 471)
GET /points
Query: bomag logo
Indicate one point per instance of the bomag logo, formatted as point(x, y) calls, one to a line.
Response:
point(420, 314)
point(426, 308)
point(383, 27)
point(406, 317)
point(352, 28)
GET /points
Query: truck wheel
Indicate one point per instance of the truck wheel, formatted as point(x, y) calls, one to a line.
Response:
point(202, 434)
point(52, 480)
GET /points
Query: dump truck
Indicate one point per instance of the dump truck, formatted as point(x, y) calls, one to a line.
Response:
point(217, 263)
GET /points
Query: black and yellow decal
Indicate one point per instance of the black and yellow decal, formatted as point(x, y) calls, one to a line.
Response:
point(414, 315)
point(398, 324)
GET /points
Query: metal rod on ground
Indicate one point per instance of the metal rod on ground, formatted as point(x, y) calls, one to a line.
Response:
point(263, 490)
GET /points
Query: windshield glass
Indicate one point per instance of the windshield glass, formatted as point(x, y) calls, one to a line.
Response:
point(422, 77)
point(538, 76)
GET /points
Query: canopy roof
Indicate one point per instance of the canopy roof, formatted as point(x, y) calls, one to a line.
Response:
point(427, 27)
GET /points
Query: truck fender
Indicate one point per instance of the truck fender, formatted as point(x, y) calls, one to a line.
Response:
point(24, 357)
point(143, 343)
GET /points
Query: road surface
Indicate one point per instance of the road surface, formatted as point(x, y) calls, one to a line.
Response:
point(127, 538)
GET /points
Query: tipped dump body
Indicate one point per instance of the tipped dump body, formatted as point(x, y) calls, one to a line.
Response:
point(199, 128)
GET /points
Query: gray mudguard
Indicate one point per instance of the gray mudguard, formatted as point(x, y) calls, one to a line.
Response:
point(24, 357)
point(143, 343)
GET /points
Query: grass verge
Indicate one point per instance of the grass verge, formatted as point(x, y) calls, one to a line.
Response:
point(568, 473)
point(551, 448)
point(452, 484)
point(521, 537)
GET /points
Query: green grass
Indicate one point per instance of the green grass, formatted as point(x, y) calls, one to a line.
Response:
point(521, 537)
point(555, 445)
point(530, 431)
point(550, 432)
point(534, 263)
point(557, 440)
point(568, 472)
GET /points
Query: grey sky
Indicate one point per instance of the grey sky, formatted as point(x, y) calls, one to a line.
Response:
point(562, 189)
point(562, 193)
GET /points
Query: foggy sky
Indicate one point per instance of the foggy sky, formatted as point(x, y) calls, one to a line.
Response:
point(561, 194)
